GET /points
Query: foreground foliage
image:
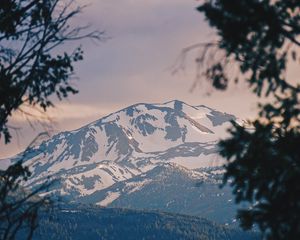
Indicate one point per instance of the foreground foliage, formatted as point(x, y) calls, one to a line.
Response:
point(261, 37)
point(33, 67)
point(18, 207)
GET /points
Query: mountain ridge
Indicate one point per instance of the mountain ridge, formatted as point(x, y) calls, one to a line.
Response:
point(116, 150)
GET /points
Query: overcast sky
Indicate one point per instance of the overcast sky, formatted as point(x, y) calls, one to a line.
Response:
point(134, 65)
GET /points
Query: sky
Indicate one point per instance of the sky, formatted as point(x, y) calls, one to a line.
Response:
point(134, 64)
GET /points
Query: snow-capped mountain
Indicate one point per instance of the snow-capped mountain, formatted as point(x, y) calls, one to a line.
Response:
point(126, 151)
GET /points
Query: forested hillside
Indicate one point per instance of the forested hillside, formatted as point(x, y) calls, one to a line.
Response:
point(111, 223)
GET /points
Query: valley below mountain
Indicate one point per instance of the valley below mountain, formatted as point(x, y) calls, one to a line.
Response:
point(95, 223)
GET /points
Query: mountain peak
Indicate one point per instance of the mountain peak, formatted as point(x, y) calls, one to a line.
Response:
point(128, 143)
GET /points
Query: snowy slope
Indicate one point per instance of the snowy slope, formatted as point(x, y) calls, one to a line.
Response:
point(125, 145)
point(172, 188)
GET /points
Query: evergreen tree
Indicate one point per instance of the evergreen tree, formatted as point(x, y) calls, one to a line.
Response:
point(261, 37)
point(32, 70)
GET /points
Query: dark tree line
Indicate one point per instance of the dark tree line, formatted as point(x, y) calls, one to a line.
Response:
point(19, 207)
point(33, 67)
point(260, 37)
